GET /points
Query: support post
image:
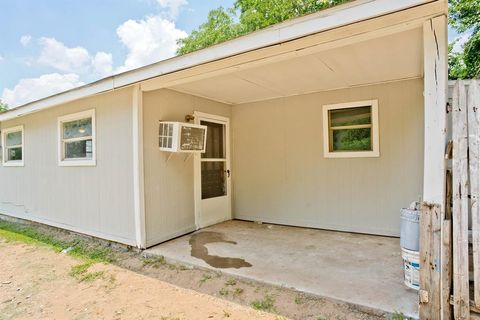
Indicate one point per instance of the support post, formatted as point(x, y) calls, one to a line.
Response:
point(435, 95)
point(138, 171)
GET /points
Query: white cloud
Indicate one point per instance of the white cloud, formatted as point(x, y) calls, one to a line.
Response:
point(57, 55)
point(25, 40)
point(148, 40)
point(172, 6)
point(102, 63)
point(460, 42)
point(1, 59)
point(32, 89)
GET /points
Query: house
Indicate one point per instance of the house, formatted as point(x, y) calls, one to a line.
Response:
point(334, 120)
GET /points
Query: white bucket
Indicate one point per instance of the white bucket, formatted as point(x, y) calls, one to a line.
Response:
point(411, 266)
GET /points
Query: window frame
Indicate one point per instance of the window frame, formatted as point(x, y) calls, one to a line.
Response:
point(375, 152)
point(5, 161)
point(76, 162)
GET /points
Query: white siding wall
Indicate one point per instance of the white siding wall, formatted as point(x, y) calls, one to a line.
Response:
point(169, 193)
point(93, 200)
point(280, 174)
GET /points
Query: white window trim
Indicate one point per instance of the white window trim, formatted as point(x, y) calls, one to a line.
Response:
point(76, 162)
point(17, 163)
point(351, 154)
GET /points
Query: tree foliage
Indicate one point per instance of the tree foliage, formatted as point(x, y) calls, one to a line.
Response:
point(247, 16)
point(3, 106)
point(464, 15)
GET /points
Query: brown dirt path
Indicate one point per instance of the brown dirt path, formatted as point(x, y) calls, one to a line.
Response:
point(35, 284)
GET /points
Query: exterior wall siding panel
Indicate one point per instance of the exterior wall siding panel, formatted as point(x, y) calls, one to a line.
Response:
point(169, 182)
point(281, 176)
point(94, 200)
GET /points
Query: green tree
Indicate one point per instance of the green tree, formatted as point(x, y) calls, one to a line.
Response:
point(247, 16)
point(3, 106)
point(464, 15)
point(220, 26)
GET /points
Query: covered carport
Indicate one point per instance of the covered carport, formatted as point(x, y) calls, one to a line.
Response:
point(281, 172)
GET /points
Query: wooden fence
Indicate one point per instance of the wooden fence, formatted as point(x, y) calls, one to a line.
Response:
point(450, 239)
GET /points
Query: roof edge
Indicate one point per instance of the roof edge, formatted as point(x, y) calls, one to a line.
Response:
point(317, 22)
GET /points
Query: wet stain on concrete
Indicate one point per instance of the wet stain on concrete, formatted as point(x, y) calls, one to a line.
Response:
point(198, 242)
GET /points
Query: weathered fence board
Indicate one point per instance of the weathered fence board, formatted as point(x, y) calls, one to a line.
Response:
point(473, 102)
point(430, 243)
point(461, 305)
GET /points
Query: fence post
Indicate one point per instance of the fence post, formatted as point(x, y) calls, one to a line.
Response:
point(461, 302)
point(474, 164)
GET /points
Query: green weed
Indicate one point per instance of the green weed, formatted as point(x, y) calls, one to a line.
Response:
point(154, 261)
point(237, 292)
point(231, 282)
point(224, 292)
point(266, 304)
point(205, 278)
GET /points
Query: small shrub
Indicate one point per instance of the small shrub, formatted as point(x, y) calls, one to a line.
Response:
point(231, 282)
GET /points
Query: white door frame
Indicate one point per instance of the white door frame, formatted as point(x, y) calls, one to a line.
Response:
point(199, 116)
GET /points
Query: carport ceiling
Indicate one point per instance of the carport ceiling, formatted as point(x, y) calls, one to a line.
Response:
point(389, 58)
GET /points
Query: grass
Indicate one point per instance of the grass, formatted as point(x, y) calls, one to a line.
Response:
point(231, 282)
point(31, 235)
point(154, 261)
point(266, 304)
point(398, 316)
point(80, 272)
point(87, 254)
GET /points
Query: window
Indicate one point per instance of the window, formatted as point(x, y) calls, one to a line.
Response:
point(351, 129)
point(12, 142)
point(77, 139)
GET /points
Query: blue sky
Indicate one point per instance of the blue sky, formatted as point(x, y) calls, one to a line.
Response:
point(48, 46)
point(53, 45)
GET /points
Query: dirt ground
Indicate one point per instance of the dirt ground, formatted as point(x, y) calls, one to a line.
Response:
point(35, 284)
point(38, 283)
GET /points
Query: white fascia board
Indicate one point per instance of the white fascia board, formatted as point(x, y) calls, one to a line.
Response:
point(66, 96)
point(332, 18)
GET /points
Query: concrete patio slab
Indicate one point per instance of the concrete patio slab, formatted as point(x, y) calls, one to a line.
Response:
point(358, 269)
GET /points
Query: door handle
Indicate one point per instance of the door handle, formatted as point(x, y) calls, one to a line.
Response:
point(228, 173)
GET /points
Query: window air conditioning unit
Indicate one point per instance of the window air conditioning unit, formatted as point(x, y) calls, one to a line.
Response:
point(182, 137)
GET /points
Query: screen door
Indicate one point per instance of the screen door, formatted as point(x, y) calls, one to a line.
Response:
point(214, 203)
